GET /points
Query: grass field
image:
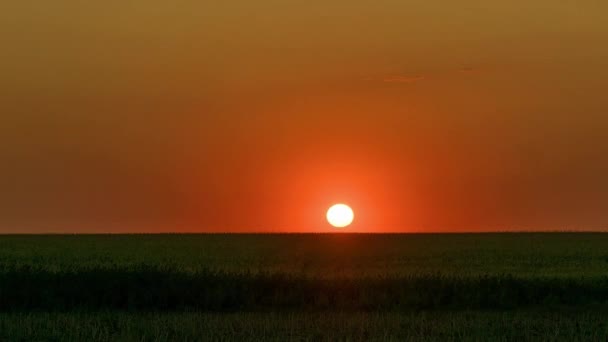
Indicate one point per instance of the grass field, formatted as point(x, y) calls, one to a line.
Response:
point(305, 287)
point(425, 326)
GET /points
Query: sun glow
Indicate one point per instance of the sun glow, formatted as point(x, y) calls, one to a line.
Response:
point(340, 215)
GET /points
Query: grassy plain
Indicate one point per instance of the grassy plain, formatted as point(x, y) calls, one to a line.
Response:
point(324, 255)
point(420, 326)
point(305, 287)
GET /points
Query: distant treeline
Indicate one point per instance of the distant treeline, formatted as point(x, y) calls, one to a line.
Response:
point(149, 289)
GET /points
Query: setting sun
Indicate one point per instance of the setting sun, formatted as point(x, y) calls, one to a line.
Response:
point(340, 215)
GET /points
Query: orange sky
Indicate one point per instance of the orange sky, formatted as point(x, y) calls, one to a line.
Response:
point(131, 116)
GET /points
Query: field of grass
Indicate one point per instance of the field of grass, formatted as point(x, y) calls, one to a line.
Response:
point(310, 287)
point(425, 326)
point(324, 255)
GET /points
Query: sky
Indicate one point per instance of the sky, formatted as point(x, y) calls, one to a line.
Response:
point(256, 116)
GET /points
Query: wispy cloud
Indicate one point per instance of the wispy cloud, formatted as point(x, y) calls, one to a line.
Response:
point(403, 78)
point(406, 78)
point(467, 70)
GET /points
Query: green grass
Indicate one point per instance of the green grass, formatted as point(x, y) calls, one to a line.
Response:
point(325, 255)
point(421, 326)
point(304, 287)
point(146, 289)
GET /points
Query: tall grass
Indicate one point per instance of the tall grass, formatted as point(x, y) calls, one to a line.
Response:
point(441, 287)
point(146, 288)
point(418, 326)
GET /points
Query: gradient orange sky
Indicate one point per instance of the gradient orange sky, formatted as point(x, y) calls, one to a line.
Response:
point(135, 116)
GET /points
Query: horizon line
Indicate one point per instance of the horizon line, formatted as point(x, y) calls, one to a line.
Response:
point(314, 233)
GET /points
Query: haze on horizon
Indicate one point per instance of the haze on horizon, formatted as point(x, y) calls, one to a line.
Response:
point(145, 116)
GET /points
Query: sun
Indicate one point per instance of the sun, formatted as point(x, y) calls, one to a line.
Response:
point(340, 215)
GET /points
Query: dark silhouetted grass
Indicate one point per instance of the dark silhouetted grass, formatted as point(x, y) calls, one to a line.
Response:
point(304, 287)
point(564, 255)
point(419, 326)
point(145, 288)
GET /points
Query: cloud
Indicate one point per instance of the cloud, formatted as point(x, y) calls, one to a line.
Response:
point(414, 78)
point(403, 78)
point(467, 70)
